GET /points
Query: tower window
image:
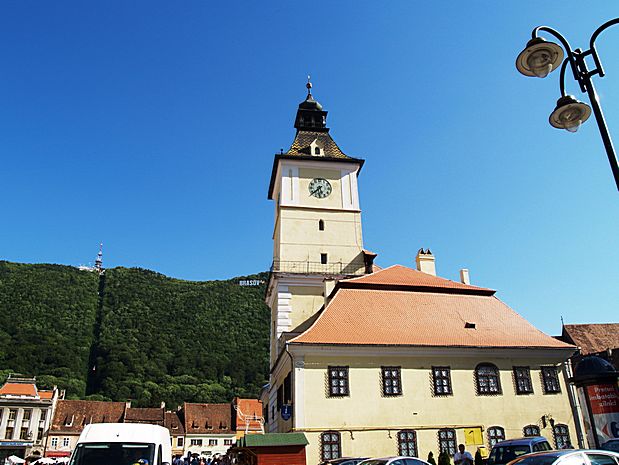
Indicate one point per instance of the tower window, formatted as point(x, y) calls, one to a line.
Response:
point(323, 258)
point(321, 225)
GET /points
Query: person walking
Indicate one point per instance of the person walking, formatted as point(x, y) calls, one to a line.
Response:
point(462, 457)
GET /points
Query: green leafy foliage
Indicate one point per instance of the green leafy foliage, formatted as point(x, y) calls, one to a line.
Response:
point(149, 338)
point(46, 323)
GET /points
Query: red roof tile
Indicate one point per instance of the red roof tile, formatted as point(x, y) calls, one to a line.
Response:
point(593, 338)
point(174, 423)
point(248, 413)
point(72, 415)
point(18, 389)
point(400, 276)
point(151, 416)
point(396, 307)
point(46, 394)
point(208, 418)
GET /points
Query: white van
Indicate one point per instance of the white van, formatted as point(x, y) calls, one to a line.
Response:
point(123, 444)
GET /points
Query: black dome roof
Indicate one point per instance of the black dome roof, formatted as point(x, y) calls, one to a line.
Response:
point(593, 368)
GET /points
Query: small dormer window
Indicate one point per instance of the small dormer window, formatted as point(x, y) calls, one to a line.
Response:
point(316, 150)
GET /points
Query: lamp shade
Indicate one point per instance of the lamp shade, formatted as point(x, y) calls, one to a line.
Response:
point(569, 114)
point(539, 58)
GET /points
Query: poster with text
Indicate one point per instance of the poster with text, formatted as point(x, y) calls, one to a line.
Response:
point(604, 402)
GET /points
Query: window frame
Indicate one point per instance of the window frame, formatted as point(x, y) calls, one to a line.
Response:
point(54, 442)
point(550, 379)
point(213, 442)
point(448, 389)
point(487, 378)
point(195, 441)
point(523, 373)
point(524, 431)
point(404, 443)
point(180, 441)
point(66, 442)
point(324, 259)
point(334, 389)
point(493, 437)
point(389, 380)
point(330, 442)
point(447, 441)
point(561, 436)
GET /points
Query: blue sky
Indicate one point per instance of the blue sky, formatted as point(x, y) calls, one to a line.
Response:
point(151, 126)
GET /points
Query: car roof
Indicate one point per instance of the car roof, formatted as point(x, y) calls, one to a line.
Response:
point(522, 441)
point(561, 453)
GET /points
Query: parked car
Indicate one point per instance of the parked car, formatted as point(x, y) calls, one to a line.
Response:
point(395, 460)
point(506, 451)
point(344, 461)
point(569, 457)
point(611, 444)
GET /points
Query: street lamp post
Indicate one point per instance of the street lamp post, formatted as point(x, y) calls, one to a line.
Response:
point(540, 57)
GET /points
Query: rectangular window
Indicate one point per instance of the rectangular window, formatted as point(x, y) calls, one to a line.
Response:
point(8, 434)
point(447, 441)
point(338, 381)
point(27, 414)
point(180, 441)
point(196, 442)
point(407, 443)
point(23, 434)
point(43, 416)
point(212, 442)
point(323, 258)
point(522, 377)
point(331, 447)
point(392, 383)
point(39, 434)
point(551, 380)
point(288, 389)
point(442, 381)
point(227, 442)
point(12, 414)
point(54, 442)
point(280, 397)
point(65, 442)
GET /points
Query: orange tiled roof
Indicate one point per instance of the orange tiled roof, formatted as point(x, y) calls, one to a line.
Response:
point(151, 416)
point(46, 394)
point(401, 276)
point(174, 423)
point(72, 415)
point(593, 338)
point(208, 418)
point(18, 389)
point(249, 410)
point(400, 306)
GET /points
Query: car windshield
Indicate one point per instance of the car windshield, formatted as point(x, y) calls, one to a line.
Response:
point(113, 454)
point(504, 454)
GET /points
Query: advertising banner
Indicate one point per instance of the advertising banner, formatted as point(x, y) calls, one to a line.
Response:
point(604, 402)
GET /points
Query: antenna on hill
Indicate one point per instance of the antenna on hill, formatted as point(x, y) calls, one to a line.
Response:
point(99, 261)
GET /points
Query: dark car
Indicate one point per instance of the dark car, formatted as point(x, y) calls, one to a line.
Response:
point(569, 457)
point(611, 444)
point(344, 461)
point(506, 451)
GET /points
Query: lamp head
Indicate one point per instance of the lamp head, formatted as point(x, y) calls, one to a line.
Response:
point(569, 114)
point(539, 58)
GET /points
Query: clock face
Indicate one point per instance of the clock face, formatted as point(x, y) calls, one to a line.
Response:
point(319, 188)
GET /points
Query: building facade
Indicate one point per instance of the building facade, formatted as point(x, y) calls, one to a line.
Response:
point(208, 429)
point(25, 416)
point(370, 362)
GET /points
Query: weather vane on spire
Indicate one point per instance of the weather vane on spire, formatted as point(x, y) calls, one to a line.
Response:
point(309, 85)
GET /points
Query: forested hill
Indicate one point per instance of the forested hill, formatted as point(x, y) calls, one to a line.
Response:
point(133, 334)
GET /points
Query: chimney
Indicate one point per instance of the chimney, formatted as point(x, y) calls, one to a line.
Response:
point(425, 262)
point(464, 276)
point(329, 285)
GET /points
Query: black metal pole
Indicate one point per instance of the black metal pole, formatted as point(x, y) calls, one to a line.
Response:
point(599, 117)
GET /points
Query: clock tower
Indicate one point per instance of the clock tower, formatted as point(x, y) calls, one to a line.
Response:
point(317, 235)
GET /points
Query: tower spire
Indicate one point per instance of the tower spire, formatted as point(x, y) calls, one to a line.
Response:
point(309, 86)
